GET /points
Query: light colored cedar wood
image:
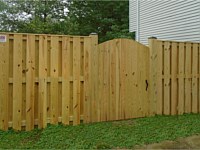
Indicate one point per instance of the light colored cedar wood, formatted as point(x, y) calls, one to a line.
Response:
point(142, 93)
point(181, 78)
point(166, 78)
point(106, 83)
point(141, 84)
point(112, 103)
point(126, 82)
point(60, 76)
point(24, 68)
point(147, 78)
point(4, 86)
point(198, 78)
point(10, 91)
point(65, 79)
point(82, 94)
point(71, 74)
point(94, 75)
point(194, 78)
point(54, 80)
point(17, 82)
point(122, 80)
point(159, 68)
point(30, 82)
point(104, 96)
point(36, 103)
point(100, 78)
point(188, 79)
point(134, 73)
point(100, 81)
point(42, 102)
point(117, 71)
point(138, 91)
point(87, 80)
point(174, 89)
point(76, 81)
point(154, 101)
point(48, 75)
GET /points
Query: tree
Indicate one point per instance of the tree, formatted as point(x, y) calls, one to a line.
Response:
point(109, 19)
point(33, 16)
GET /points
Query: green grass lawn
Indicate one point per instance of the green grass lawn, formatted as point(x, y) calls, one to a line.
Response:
point(117, 134)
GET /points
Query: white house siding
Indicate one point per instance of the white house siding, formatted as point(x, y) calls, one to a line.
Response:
point(167, 19)
point(132, 15)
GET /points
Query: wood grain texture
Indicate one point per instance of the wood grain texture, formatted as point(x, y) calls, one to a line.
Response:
point(66, 79)
point(54, 80)
point(17, 82)
point(4, 84)
point(76, 81)
point(30, 83)
point(42, 102)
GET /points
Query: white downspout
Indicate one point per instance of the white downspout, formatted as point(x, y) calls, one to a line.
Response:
point(138, 21)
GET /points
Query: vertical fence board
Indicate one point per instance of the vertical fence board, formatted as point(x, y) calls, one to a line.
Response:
point(30, 83)
point(66, 79)
point(134, 75)
point(17, 82)
point(76, 80)
point(112, 81)
point(159, 64)
point(42, 102)
point(198, 79)
point(100, 81)
point(117, 49)
point(174, 89)
point(194, 78)
point(4, 86)
point(166, 78)
point(155, 61)
point(94, 74)
point(54, 80)
point(181, 79)
point(188, 78)
point(87, 80)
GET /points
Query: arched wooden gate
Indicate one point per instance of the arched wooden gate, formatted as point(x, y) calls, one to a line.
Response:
point(118, 81)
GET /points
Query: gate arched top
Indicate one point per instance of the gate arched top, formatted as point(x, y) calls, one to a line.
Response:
point(122, 40)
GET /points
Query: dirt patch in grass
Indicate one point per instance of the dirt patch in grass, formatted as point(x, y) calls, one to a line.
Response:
point(124, 123)
point(192, 142)
point(32, 139)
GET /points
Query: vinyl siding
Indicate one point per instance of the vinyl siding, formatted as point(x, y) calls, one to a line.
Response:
point(168, 20)
point(132, 15)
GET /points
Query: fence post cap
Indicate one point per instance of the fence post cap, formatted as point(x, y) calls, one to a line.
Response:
point(152, 37)
point(93, 33)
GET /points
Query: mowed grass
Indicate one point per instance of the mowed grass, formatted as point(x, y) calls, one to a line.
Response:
point(105, 135)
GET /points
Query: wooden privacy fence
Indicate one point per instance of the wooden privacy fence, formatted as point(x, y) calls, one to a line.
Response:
point(42, 79)
point(175, 72)
point(53, 78)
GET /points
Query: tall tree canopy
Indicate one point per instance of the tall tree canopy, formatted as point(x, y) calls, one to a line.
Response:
point(33, 16)
point(107, 18)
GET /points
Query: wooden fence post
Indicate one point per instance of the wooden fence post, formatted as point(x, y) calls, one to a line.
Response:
point(91, 79)
point(4, 80)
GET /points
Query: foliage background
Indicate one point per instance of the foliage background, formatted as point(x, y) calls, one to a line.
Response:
point(109, 19)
